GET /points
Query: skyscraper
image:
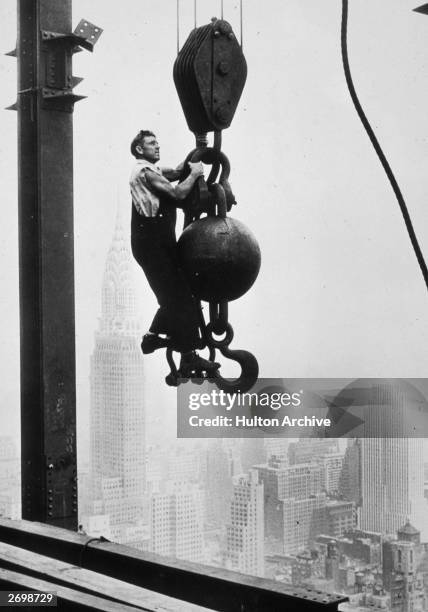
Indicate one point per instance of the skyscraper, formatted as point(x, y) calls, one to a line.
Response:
point(350, 477)
point(331, 470)
point(176, 522)
point(117, 423)
point(303, 520)
point(218, 484)
point(281, 482)
point(245, 532)
point(392, 484)
point(391, 466)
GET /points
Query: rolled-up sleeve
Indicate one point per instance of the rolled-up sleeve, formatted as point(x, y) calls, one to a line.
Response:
point(145, 201)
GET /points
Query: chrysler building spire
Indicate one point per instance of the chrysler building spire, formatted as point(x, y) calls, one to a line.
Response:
point(119, 301)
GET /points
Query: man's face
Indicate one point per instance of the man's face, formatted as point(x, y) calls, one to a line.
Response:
point(149, 149)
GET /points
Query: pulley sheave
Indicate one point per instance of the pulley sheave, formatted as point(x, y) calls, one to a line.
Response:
point(209, 74)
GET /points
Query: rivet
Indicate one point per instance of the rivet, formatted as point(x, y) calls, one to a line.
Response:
point(223, 67)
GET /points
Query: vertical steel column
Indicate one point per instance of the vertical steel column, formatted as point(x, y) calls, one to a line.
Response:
point(48, 394)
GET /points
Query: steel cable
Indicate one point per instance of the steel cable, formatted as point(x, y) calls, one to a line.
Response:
point(241, 21)
point(178, 26)
point(376, 145)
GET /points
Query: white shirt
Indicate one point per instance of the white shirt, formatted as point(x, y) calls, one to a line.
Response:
point(144, 200)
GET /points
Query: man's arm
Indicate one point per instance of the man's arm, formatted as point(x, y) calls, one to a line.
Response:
point(173, 174)
point(161, 186)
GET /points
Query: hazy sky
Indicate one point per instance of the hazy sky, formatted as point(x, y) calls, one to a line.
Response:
point(339, 292)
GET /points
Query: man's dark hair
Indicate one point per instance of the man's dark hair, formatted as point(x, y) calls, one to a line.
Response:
point(139, 140)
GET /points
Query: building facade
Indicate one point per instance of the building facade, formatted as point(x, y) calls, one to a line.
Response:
point(177, 522)
point(117, 420)
point(245, 528)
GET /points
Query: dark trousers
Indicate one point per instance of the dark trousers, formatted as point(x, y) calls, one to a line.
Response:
point(154, 246)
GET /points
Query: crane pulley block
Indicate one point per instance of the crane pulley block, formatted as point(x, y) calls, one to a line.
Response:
point(209, 74)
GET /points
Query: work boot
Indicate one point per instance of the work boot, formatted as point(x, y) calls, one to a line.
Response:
point(192, 362)
point(153, 342)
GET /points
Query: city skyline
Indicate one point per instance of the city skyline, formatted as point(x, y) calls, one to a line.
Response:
point(306, 511)
point(339, 293)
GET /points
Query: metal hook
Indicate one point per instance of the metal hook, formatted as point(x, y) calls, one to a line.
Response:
point(172, 378)
point(248, 376)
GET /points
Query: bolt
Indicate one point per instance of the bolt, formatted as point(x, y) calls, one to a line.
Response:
point(216, 33)
point(223, 68)
point(231, 35)
point(224, 27)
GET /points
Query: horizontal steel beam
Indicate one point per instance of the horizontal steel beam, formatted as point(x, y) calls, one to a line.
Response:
point(83, 581)
point(67, 599)
point(202, 585)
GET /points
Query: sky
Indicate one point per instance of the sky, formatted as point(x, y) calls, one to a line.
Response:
point(339, 293)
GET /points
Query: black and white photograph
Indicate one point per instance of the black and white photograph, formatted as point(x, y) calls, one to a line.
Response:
point(214, 306)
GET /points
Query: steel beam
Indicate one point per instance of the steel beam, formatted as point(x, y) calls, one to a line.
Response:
point(212, 587)
point(46, 262)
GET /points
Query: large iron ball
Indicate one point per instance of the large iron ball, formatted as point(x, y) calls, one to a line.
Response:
point(220, 257)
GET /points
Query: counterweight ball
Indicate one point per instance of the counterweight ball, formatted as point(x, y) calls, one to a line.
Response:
point(220, 257)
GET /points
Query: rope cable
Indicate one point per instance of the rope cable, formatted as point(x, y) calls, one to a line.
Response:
point(222, 9)
point(178, 26)
point(195, 11)
point(241, 24)
point(376, 145)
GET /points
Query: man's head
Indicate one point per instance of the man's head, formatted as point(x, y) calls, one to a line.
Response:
point(145, 146)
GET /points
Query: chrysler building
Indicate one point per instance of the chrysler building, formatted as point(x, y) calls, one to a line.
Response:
point(117, 423)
